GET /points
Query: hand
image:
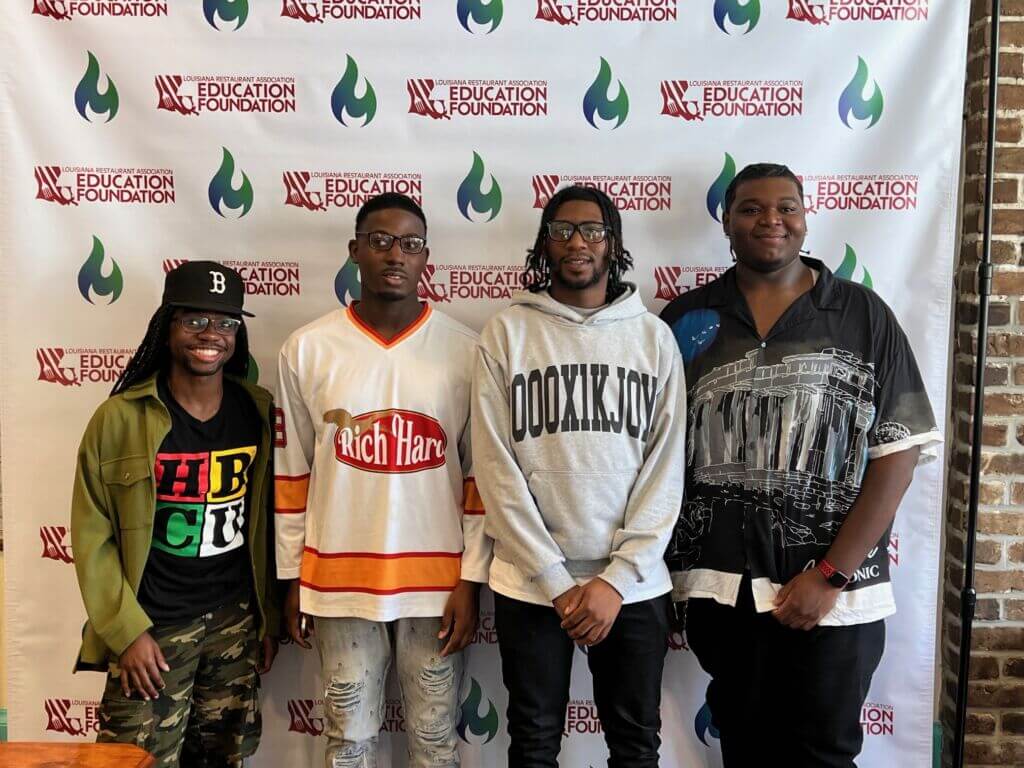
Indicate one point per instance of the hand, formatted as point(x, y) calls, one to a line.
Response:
point(269, 654)
point(141, 664)
point(589, 620)
point(568, 598)
point(461, 613)
point(293, 619)
point(805, 600)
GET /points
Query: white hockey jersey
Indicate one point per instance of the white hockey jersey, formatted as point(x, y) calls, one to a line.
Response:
point(377, 513)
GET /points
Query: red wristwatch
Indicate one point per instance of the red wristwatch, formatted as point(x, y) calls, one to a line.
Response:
point(832, 575)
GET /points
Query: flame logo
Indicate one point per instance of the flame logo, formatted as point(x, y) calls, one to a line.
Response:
point(738, 13)
point(703, 726)
point(344, 98)
point(472, 721)
point(346, 283)
point(222, 191)
point(852, 101)
point(87, 94)
point(596, 99)
point(471, 193)
point(849, 266)
point(716, 192)
point(481, 12)
point(91, 277)
point(227, 10)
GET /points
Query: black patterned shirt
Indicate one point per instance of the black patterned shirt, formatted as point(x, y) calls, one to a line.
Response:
point(780, 432)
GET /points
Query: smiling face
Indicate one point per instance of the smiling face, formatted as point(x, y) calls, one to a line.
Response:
point(577, 265)
point(390, 275)
point(199, 354)
point(766, 224)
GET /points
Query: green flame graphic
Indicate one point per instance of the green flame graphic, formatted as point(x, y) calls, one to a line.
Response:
point(87, 94)
point(221, 190)
point(91, 276)
point(849, 265)
point(471, 194)
point(344, 98)
point(596, 100)
point(852, 100)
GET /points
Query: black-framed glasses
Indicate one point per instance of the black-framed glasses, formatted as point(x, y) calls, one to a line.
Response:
point(590, 231)
point(382, 241)
point(225, 326)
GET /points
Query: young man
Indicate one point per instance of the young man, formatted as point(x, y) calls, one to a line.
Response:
point(578, 436)
point(169, 524)
point(379, 526)
point(807, 418)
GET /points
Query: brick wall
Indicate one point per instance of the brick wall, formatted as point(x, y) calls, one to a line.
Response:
point(996, 690)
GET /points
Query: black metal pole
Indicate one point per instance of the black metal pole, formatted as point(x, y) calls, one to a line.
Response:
point(968, 596)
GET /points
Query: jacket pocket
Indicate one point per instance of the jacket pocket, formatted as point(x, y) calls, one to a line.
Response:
point(127, 482)
point(582, 510)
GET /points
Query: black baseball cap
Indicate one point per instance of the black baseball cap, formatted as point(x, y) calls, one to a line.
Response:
point(205, 285)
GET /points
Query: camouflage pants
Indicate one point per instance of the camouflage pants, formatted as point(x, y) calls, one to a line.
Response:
point(208, 714)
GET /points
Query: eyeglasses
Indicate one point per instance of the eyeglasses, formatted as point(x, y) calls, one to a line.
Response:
point(225, 326)
point(590, 231)
point(382, 241)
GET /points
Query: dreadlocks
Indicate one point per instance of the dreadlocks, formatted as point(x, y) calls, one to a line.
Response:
point(536, 275)
point(151, 356)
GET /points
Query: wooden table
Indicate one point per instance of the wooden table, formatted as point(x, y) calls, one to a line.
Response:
point(56, 755)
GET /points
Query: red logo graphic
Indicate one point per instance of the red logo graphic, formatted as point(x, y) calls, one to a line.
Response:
point(428, 290)
point(673, 281)
point(50, 361)
point(549, 10)
point(894, 548)
point(307, 12)
point(49, 187)
point(304, 717)
point(827, 11)
point(629, 193)
point(543, 188)
point(803, 10)
point(75, 718)
point(860, 192)
point(167, 91)
point(55, 9)
point(392, 441)
point(675, 103)
point(878, 719)
point(420, 102)
point(581, 717)
point(296, 193)
point(54, 546)
point(677, 642)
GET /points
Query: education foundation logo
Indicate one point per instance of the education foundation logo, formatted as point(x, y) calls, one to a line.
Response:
point(737, 16)
point(75, 366)
point(471, 197)
point(88, 184)
point(65, 10)
point(854, 102)
point(444, 283)
point(598, 102)
point(306, 716)
point(572, 12)
point(821, 12)
point(485, 14)
point(673, 281)
point(259, 278)
point(318, 11)
point(860, 192)
point(445, 99)
point(94, 281)
point(648, 194)
point(319, 191)
point(72, 717)
point(715, 200)
point(695, 100)
point(199, 94)
point(223, 193)
point(56, 543)
point(878, 719)
point(581, 718)
point(89, 99)
point(344, 100)
point(479, 723)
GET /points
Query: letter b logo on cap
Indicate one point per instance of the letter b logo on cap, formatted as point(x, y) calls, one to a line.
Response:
point(219, 285)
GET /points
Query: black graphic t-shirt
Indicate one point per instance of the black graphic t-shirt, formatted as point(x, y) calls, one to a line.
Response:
point(780, 432)
point(199, 559)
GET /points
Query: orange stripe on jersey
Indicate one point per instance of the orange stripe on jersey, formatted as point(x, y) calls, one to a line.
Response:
point(380, 574)
point(472, 504)
point(405, 333)
point(290, 494)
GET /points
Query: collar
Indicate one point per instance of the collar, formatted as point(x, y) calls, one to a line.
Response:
point(825, 295)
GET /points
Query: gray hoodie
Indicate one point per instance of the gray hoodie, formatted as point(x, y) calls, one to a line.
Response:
point(578, 430)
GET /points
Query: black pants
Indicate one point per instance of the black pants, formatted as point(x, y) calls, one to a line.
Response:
point(536, 663)
point(781, 696)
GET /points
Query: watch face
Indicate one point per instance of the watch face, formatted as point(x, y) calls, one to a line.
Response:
point(838, 579)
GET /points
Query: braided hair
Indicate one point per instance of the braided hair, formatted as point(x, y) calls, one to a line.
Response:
point(152, 355)
point(536, 274)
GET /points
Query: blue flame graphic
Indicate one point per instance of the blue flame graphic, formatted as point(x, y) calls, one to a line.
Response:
point(346, 283)
point(596, 99)
point(702, 725)
point(471, 194)
point(481, 12)
point(738, 13)
point(852, 100)
point(472, 720)
point(716, 192)
point(91, 276)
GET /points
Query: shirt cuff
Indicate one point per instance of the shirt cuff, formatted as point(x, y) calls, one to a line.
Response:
point(555, 581)
point(620, 575)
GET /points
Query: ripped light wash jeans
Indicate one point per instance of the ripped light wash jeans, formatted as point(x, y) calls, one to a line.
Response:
point(355, 655)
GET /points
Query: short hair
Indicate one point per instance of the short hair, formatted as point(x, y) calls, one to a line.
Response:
point(537, 274)
point(760, 171)
point(390, 200)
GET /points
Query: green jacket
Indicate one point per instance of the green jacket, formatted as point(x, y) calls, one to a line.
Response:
point(112, 511)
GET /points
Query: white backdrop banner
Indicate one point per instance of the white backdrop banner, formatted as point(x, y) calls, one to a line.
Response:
point(140, 133)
